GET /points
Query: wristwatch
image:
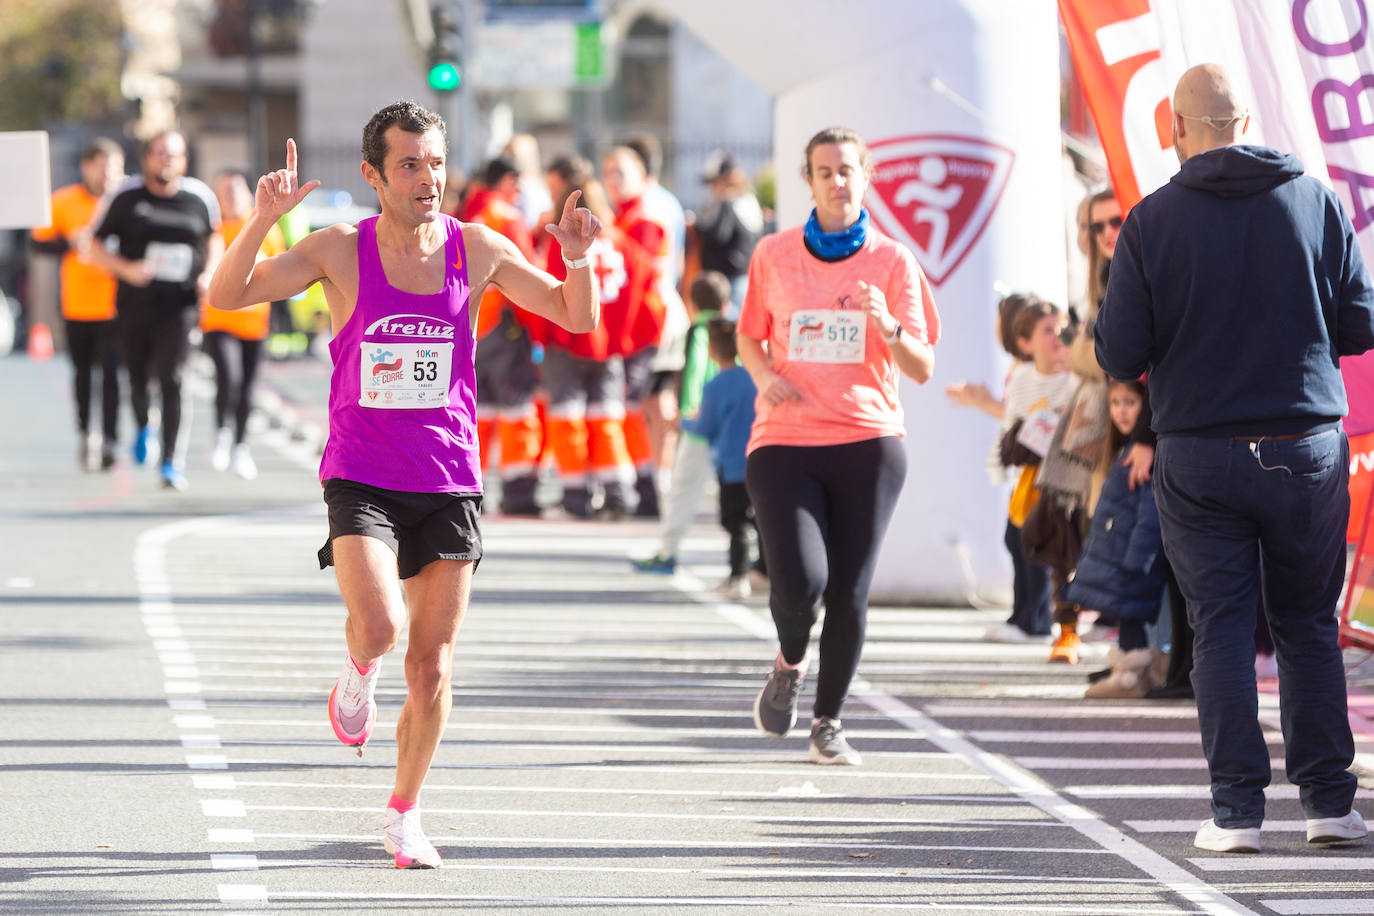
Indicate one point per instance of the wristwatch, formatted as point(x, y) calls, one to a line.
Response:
point(896, 335)
point(580, 262)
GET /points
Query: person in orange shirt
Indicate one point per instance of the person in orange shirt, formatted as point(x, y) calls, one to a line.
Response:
point(88, 297)
point(834, 314)
point(506, 373)
point(234, 339)
point(649, 409)
point(584, 373)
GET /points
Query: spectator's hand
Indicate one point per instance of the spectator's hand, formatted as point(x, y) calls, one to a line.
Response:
point(576, 229)
point(874, 304)
point(968, 394)
point(278, 192)
point(1141, 460)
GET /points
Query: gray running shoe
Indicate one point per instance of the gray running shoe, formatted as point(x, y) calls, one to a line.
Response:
point(775, 709)
point(829, 747)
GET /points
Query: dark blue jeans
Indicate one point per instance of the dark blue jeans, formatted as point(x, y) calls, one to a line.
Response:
point(1030, 590)
point(1239, 516)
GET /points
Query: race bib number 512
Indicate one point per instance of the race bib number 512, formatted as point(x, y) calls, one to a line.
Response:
point(827, 336)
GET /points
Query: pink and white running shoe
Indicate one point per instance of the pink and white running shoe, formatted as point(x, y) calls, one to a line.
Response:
point(352, 710)
point(403, 838)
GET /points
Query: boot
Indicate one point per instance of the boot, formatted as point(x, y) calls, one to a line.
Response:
point(1130, 677)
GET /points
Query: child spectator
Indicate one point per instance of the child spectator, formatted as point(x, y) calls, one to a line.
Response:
point(1122, 570)
point(1037, 391)
point(707, 297)
point(724, 421)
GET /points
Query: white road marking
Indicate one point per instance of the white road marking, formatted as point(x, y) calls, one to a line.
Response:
point(1202, 790)
point(434, 810)
point(222, 807)
point(1121, 763)
point(243, 893)
point(1322, 907)
point(1019, 781)
point(1046, 736)
point(1285, 863)
point(1190, 826)
point(233, 861)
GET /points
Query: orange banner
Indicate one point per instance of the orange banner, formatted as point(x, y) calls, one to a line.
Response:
point(1115, 49)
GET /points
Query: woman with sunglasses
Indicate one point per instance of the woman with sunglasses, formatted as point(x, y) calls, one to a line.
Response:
point(835, 313)
point(1102, 225)
point(1074, 469)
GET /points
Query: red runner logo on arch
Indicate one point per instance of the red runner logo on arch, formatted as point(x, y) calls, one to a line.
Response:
point(936, 193)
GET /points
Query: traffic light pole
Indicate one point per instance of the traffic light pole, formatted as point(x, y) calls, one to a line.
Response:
point(467, 94)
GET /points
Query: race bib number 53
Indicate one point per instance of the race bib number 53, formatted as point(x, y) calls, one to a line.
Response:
point(406, 376)
point(827, 336)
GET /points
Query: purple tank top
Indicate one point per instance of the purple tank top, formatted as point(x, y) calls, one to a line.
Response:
point(402, 400)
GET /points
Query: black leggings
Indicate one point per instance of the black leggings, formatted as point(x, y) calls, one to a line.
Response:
point(92, 345)
point(156, 343)
point(236, 367)
point(822, 512)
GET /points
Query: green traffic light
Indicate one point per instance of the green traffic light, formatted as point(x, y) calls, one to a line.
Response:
point(444, 77)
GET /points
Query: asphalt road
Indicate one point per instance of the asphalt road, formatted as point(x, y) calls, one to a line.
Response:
point(164, 746)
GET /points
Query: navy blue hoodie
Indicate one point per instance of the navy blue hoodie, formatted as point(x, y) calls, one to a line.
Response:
point(1238, 285)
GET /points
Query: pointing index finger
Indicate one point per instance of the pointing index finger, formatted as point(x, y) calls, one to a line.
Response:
point(291, 155)
point(571, 203)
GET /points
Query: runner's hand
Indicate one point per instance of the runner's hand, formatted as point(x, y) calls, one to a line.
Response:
point(874, 304)
point(777, 390)
point(576, 229)
point(278, 192)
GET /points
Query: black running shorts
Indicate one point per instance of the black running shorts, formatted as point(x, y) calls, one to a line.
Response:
point(418, 527)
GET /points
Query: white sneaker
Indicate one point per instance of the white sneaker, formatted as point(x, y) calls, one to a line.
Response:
point(1325, 830)
point(1010, 633)
point(242, 462)
point(736, 589)
point(1227, 839)
point(353, 704)
point(219, 453)
point(403, 838)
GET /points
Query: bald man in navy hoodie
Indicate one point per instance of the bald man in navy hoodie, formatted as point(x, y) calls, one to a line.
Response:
point(1238, 286)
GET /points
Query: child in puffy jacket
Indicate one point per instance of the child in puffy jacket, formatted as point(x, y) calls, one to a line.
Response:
point(1122, 571)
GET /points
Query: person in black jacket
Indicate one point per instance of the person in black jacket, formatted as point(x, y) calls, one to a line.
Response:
point(729, 226)
point(1239, 285)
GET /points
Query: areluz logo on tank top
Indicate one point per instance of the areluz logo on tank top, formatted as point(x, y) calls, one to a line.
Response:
point(407, 374)
point(936, 193)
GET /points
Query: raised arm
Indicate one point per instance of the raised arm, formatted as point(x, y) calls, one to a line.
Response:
point(572, 304)
point(241, 279)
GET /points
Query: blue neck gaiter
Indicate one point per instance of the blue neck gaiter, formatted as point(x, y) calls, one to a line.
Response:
point(835, 246)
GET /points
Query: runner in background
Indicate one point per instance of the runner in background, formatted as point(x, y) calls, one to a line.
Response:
point(234, 340)
point(88, 298)
point(168, 246)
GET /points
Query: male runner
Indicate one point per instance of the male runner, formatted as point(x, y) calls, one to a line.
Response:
point(400, 469)
point(169, 245)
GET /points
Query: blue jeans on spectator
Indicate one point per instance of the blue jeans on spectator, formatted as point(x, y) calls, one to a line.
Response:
point(1030, 591)
point(1239, 515)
